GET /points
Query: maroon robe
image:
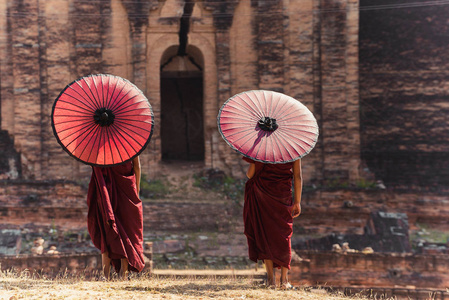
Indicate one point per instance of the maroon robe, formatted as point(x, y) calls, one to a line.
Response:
point(267, 213)
point(115, 219)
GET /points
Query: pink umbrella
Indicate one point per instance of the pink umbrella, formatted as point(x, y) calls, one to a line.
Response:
point(268, 126)
point(102, 120)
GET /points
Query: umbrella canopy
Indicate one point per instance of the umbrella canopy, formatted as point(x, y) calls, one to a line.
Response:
point(102, 120)
point(268, 126)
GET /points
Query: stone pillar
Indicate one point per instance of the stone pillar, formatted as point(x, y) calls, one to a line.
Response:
point(339, 90)
point(302, 60)
point(270, 45)
point(56, 62)
point(24, 33)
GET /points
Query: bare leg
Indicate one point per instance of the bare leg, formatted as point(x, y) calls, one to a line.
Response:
point(271, 278)
point(284, 275)
point(284, 279)
point(106, 263)
point(124, 268)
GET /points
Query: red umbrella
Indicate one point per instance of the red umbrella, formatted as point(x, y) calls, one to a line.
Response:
point(268, 126)
point(102, 120)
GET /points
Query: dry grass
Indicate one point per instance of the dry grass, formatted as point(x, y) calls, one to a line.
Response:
point(24, 286)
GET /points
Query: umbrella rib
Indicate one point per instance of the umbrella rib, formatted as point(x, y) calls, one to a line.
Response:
point(109, 142)
point(96, 89)
point(270, 110)
point(72, 120)
point(260, 146)
point(291, 127)
point(256, 104)
point(242, 138)
point(246, 117)
point(105, 99)
point(114, 107)
point(282, 138)
point(119, 130)
point(243, 130)
point(113, 133)
point(249, 110)
point(275, 137)
point(72, 110)
point(89, 131)
point(129, 125)
point(85, 128)
point(112, 94)
point(84, 103)
point(96, 137)
point(93, 100)
point(278, 111)
point(295, 139)
point(126, 119)
point(120, 111)
point(85, 124)
point(286, 107)
point(119, 108)
point(236, 130)
point(257, 108)
point(292, 114)
point(88, 100)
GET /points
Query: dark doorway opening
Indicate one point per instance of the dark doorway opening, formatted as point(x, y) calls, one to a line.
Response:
point(182, 129)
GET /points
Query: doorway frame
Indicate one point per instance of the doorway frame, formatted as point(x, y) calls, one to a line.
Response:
point(158, 43)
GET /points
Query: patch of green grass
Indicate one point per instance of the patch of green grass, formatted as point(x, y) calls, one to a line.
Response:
point(154, 188)
point(430, 235)
point(217, 181)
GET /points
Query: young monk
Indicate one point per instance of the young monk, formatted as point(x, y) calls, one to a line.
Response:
point(115, 219)
point(268, 215)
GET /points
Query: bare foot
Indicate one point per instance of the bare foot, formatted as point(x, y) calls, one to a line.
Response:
point(286, 286)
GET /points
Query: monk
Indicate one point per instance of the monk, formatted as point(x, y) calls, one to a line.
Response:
point(268, 215)
point(115, 219)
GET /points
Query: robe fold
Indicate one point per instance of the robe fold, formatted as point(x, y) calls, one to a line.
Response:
point(115, 217)
point(267, 217)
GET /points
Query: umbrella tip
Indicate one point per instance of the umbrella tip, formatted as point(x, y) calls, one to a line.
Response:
point(268, 124)
point(104, 117)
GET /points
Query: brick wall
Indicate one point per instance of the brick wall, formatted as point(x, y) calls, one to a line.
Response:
point(371, 270)
point(241, 45)
point(403, 93)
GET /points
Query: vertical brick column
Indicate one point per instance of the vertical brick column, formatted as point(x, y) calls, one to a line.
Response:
point(6, 78)
point(87, 22)
point(302, 42)
point(270, 45)
point(24, 33)
point(339, 81)
point(55, 60)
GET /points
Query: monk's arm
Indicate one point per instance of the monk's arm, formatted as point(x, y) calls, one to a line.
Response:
point(297, 184)
point(251, 170)
point(136, 167)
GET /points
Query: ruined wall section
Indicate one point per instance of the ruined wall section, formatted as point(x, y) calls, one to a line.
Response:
point(404, 84)
point(309, 50)
point(340, 137)
point(46, 45)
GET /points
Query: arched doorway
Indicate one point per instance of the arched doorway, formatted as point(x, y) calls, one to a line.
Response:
point(181, 86)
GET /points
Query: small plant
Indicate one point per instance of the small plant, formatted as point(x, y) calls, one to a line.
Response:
point(153, 188)
point(366, 184)
point(217, 181)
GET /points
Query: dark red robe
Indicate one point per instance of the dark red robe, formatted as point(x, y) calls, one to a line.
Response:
point(115, 219)
point(267, 213)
